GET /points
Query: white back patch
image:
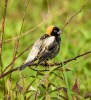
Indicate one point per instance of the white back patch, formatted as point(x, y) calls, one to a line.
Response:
point(48, 41)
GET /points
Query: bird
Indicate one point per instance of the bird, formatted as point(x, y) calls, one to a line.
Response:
point(45, 48)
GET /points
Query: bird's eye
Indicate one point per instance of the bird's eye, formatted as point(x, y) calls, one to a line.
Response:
point(55, 31)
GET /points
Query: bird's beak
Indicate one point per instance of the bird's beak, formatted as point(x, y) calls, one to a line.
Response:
point(59, 32)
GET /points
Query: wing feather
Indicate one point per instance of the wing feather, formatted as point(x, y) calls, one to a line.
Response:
point(48, 52)
point(36, 48)
point(42, 49)
point(34, 52)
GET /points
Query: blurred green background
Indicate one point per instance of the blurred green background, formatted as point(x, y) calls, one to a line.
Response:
point(76, 37)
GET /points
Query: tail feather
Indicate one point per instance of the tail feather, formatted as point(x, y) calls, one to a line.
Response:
point(23, 66)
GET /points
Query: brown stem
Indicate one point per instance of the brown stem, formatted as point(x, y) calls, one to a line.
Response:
point(39, 85)
point(43, 64)
point(2, 34)
point(1, 45)
point(16, 45)
point(44, 20)
point(16, 58)
point(74, 15)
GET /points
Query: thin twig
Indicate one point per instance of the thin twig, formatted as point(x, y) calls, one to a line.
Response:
point(74, 15)
point(36, 69)
point(66, 61)
point(25, 34)
point(16, 45)
point(43, 64)
point(76, 62)
point(14, 88)
point(2, 34)
point(77, 57)
point(16, 58)
point(21, 27)
point(43, 21)
point(29, 85)
point(5, 41)
point(62, 97)
point(13, 58)
point(55, 90)
point(39, 85)
point(6, 1)
point(10, 71)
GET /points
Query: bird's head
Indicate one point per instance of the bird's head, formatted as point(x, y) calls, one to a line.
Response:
point(53, 31)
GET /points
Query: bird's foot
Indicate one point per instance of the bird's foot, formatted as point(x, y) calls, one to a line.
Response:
point(47, 65)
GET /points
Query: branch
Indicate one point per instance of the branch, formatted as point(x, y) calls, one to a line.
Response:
point(38, 86)
point(25, 34)
point(50, 64)
point(6, 1)
point(64, 62)
point(2, 34)
point(2, 75)
point(74, 15)
point(16, 58)
point(17, 42)
point(21, 26)
point(44, 20)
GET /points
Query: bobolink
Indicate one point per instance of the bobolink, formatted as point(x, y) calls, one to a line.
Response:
point(45, 48)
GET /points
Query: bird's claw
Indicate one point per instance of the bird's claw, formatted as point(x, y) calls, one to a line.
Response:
point(47, 65)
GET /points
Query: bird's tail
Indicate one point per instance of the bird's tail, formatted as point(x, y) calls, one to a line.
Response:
point(24, 66)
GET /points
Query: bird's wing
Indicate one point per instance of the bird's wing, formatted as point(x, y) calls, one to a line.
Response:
point(47, 52)
point(35, 49)
point(41, 50)
point(34, 52)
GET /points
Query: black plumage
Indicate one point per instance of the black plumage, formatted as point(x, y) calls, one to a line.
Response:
point(48, 47)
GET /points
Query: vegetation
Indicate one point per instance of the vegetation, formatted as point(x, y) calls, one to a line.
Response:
point(58, 83)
